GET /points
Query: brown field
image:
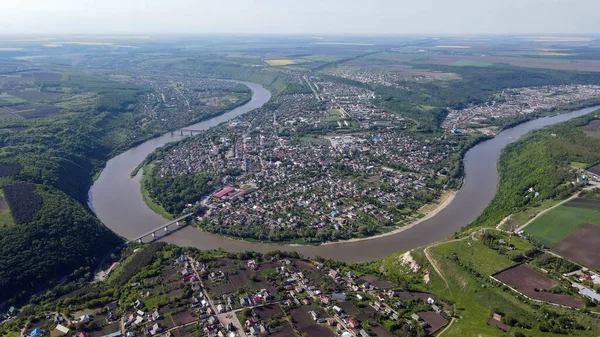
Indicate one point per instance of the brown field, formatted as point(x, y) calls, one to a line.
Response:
point(582, 246)
point(32, 95)
point(582, 205)
point(349, 308)
point(221, 289)
point(546, 63)
point(592, 129)
point(183, 318)
point(301, 318)
point(317, 330)
point(533, 284)
point(595, 169)
point(39, 112)
point(269, 310)
point(286, 331)
point(47, 76)
point(435, 320)
point(380, 331)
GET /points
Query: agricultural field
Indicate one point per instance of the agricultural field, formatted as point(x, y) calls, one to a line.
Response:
point(476, 296)
point(527, 62)
point(592, 129)
point(280, 62)
point(6, 219)
point(582, 246)
point(558, 223)
point(535, 285)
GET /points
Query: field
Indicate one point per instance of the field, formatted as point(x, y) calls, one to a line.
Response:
point(305, 324)
point(582, 246)
point(10, 98)
point(557, 224)
point(592, 129)
point(434, 319)
point(23, 201)
point(529, 62)
point(532, 284)
point(5, 216)
point(280, 62)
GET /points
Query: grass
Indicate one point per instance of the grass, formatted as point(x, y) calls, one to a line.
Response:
point(5, 216)
point(518, 219)
point(158, 209)
point(335, 112)
point(558, 223)
point(280, 62)
point(476, 298)
point(267, 272)
point(475, 255)
point(579, 165)
point(10, 98)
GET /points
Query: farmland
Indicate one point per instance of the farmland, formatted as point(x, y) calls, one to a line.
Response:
point(281, 62)
point(558, 223)
point(581, 246)
point(535, 285)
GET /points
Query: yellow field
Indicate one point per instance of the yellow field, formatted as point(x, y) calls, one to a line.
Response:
point(454, 47)
point(281, 62)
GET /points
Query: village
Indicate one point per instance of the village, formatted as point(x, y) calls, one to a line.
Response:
point(519, 101)
point(321, 166)
point(250, 295)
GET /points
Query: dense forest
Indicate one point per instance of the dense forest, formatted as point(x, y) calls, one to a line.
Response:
point(477, 85)
point(541, 160)
point(174, 193)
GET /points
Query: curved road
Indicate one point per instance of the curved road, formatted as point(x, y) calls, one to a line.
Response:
point(117, 200)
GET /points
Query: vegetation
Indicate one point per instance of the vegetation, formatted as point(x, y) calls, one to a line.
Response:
point(24, 203)
point(558, 223)
point(540, 160)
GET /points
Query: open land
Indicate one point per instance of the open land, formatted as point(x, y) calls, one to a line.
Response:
point(581, 246)
point(535, 285)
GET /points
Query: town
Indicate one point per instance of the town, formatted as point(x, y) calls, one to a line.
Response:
point(326, 166)
point(197, 293)
point(519, 101)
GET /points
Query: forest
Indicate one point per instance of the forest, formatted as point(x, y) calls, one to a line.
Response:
point(540, 160)
point(23, 201)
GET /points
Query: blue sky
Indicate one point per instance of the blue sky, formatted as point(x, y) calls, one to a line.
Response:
point(299, 16)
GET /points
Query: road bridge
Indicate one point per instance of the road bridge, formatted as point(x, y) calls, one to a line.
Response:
point(177, 223)
point(182, 131)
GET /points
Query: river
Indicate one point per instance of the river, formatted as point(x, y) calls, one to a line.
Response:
point(117, 200)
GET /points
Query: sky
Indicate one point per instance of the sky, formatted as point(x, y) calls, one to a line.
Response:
point(364, 17)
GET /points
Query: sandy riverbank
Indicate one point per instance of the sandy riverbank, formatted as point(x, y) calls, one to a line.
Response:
point(449, 196)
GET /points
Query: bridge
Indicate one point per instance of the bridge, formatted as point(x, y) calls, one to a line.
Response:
point(177, 223)
point(186, 131)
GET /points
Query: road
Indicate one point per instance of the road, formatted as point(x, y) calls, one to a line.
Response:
point(226, 317)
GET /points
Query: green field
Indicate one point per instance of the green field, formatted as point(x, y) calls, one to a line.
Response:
point(10, 98)
point(466, 265)
point(6, 218)
point(558, 223)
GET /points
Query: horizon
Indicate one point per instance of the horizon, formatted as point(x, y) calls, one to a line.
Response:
point(311, 17)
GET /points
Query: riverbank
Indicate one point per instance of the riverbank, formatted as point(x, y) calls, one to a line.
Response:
point(478, 189)
point(156, 208)
point(116, 198)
